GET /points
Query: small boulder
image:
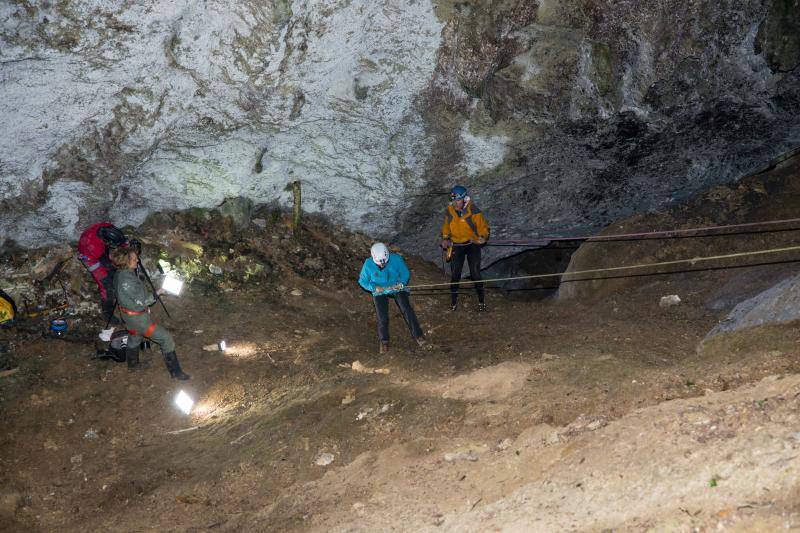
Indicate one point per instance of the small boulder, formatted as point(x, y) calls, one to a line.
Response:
point(324, 459)
point(669, 301)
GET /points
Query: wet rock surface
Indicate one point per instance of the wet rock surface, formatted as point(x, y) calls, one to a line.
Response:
point(561, 116)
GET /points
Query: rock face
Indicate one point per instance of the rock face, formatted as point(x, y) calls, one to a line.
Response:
point(779, 304)
point(559, 115)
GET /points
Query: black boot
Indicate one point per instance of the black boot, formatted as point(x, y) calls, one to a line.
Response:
point(174, 367)
point(132, 356)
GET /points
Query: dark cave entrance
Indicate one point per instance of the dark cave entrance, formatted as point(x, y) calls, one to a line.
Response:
point(551, 259)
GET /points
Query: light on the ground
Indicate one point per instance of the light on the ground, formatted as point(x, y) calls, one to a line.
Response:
point(183, 402)
point(222, 346)
point(172, 285)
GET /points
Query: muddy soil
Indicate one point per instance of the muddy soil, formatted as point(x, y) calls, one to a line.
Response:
point(506, 418)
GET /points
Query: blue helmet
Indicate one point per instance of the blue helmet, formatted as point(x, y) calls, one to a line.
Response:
point(459, 192)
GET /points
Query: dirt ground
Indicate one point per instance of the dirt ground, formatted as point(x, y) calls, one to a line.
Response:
point(537, 416)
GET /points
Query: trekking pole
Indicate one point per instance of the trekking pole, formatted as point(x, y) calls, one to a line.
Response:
point(140, 266)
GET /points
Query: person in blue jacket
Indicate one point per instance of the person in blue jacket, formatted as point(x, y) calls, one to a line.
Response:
point(386, 275)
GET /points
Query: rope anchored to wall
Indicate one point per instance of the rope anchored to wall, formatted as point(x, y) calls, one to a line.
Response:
point(707, 231)
point(692, 261)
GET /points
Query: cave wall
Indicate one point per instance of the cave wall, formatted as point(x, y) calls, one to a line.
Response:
point(561, 116)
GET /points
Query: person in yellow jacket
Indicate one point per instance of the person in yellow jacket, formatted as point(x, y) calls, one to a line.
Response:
point(465, 230)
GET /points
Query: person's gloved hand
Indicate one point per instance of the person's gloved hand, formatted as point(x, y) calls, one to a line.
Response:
point(481, 240)
point(446, 243)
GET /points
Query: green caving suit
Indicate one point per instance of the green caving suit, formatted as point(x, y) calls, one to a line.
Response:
point(134, 295)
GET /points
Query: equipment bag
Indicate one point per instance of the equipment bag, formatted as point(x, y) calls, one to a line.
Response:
point(8, 310)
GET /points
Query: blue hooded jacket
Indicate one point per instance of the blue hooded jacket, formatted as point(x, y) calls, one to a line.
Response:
point(395, 272)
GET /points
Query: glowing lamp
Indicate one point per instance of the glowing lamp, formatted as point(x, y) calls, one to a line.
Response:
point(172, 285)
point(184, 403)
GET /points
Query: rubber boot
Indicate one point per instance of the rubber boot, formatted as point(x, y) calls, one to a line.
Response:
point(132, 356)
point(174, 367)
point(384, 347)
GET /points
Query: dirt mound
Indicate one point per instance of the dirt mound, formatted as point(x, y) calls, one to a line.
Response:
point(712, 462)
point(728, 454)
point(496, 382)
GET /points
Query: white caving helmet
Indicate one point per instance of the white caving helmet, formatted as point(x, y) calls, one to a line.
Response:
point(380, 254)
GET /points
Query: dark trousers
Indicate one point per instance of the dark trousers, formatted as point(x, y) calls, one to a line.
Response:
point(382, 310)
point(107, 303)
point(472, 253)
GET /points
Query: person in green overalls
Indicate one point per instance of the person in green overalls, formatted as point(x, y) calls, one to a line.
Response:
point(134, 299)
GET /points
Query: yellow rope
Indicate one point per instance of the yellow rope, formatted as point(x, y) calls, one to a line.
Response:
point(614, 269)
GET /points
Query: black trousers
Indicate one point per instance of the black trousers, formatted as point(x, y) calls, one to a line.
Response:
point(472, 253)
point(382, 310)
point(107, 303)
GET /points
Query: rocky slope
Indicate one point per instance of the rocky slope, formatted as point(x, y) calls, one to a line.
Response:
point(561, 115)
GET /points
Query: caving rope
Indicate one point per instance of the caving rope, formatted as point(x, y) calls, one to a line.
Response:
point(691, 261)
point(709, 231)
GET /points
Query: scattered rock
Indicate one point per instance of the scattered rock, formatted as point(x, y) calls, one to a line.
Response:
point(259, 222)
point(296, 292)
point(214, 269)
point(363, 414)
point(76, 459)
point(90, 434)
point(239, 210)
point(669, 301)
point(50, 444)
point(324, 459)
point(460, 456)
point(504, 445)
point(349, 397)
point(361, 369)
point(549, 357)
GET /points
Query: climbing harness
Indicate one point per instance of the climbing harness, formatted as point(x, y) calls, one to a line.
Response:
point(150, 329)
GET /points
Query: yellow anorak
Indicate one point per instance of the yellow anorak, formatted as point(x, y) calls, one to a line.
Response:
point(469, 226)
